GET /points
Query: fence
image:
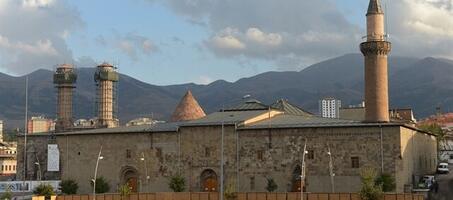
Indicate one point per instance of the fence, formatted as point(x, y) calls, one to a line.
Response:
point(240, 196)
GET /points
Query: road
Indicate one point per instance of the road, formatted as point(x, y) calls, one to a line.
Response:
point(445, 186)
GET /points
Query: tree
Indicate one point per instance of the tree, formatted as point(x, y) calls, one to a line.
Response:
point(7, 194)
point(177, 183)
point(124, 191)
point(230, 193)
point(69, 186)
point(387, 182)
point(102, 186)
point(44, 190)
point(271, 185)
point(370, 191)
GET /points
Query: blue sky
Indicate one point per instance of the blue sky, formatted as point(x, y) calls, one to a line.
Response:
point(179, 41)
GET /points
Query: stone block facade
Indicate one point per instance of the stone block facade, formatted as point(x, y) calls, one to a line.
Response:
point(250, 156)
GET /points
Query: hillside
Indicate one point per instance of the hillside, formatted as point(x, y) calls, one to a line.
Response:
point(411, 80)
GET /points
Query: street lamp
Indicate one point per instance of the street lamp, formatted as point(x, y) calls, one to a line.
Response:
point(332, 174)
point(100, 157)
point(146, 168)
point(39, 171)
point(302, 171)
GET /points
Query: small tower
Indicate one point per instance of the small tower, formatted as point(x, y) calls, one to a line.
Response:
point(375, 49)
point(188, 109)
point(106, 78)
point(64, 80)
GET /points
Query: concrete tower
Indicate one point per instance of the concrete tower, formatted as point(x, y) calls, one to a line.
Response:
point(64, 80)
point(375, 49)
point(105, 78)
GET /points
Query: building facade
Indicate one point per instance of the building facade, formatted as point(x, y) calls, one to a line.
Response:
point(258, 144)
point(329, 108)
point(40, 125)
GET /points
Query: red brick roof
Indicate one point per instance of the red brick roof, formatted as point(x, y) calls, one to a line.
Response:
point(188, 109)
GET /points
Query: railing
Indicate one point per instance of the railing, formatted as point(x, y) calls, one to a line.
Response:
point(239, 196)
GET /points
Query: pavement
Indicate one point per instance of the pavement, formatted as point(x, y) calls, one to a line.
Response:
point(445, 191)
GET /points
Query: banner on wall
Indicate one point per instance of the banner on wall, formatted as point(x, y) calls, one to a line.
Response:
point(53, 158)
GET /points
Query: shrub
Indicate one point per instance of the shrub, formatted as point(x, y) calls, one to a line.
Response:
point(230, 193)
point(177, 183)
point(370, 191)
point(69, 186)
point(44, 190)
point(124, 190)
point(387, 182)
point(7, 194)
point(102, 186)
point(271, 185)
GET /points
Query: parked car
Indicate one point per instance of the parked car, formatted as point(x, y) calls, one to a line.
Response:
point(442, 168)
point(427, 181)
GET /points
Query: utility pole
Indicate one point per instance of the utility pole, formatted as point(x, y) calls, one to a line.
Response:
point(302, 171)
point(25, 131)
point(332, 174)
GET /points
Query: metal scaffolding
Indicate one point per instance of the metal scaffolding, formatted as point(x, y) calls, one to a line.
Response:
point(106, 79)
point(64, 79)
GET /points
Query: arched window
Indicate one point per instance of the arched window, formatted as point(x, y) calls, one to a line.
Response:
point(209, 181)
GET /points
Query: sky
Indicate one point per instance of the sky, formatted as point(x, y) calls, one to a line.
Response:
point(166, 42)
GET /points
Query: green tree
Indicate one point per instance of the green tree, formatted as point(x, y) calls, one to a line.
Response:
point(230, 193)
point(124, 191)
point(69, 186)
point(271, 185)
point(370, 191)
point(387, 182)
point(177, 183)
point(7, 194)
point(44, 190)
point(102, 186)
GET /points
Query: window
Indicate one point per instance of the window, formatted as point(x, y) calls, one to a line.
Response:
point(128, 153)
point(14, 167)
point(159, 152)
point(252, 183)
point(355, 162)
point(207, 152)
point(3, 168)
point(260, 154)
point(311, 154)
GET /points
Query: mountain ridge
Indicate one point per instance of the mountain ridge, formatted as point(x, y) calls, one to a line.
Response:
point(411, 81)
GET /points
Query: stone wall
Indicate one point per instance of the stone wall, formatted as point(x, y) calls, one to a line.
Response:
point(251, 156)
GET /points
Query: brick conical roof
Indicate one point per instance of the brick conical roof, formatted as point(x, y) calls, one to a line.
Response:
point(187, 109)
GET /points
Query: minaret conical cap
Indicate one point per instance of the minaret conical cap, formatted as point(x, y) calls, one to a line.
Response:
point(375, 7)
point(187, 109)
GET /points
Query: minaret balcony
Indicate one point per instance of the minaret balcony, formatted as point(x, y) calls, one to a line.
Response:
point(375, 47)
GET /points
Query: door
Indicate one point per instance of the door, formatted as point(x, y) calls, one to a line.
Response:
point(132, 183)
point(210, 185)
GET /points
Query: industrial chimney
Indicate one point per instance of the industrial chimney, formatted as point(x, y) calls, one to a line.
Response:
point(64, 80)
point(106, 78)
point(375, 49)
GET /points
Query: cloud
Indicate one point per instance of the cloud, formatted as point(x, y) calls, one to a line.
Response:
point(38, 40)
point(204, 80)
point(308, 30)
point(131, 44)
point(295, 32)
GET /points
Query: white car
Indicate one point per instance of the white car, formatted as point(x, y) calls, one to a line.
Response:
point(442, 168)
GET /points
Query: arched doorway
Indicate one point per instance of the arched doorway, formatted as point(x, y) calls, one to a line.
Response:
point(129, 176)
point(208, 181)
point(295, 182)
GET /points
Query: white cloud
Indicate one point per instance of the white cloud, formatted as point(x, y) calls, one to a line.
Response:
point(204, 80)
point(34, 32)
point(132, 44)
point(256, 35)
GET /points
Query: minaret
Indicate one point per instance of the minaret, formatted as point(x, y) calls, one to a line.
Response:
point(64, 80)
point(105, 78)
point(375, 49)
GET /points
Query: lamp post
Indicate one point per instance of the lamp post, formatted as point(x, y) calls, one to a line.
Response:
point(302, 171)
point(96, 172)
point(332, 174)
point(146, 168)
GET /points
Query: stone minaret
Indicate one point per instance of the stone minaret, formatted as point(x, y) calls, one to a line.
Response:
point(105, 78)
point(64, 80)
point(375, 50)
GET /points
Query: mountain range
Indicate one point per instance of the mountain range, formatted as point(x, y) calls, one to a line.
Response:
point(421, 84)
